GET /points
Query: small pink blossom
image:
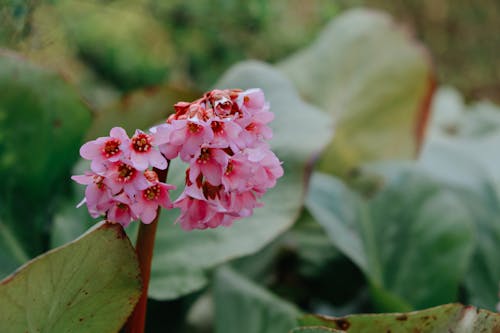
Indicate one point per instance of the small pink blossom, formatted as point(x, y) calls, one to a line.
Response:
point(148, 200)
point(237, 173)
point(210, 163)
point(121, 211)
point(105, 149)
point(226, 133)
point(143, 153)
point(123, 176)
point(97, 194)
point(251, 100)
point(197, 213)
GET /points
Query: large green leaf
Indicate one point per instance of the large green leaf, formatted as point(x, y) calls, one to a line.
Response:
point(89, 285)
point(462, 150)
point(410, 260)
point(314, 329)
point(300, 130)
point(445, 318)
point(449, 164)
point(374, 79)
point(42, 122)
point(242, 306)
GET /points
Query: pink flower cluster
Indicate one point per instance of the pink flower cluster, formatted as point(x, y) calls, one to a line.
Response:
point(120, 185)
point(222, 136)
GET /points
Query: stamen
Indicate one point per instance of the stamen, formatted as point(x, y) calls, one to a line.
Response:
point(125, 172)
point(205, 156)
point(229, 168)
point(111, 148)
point(141, 143)
point(194, 128)
point(217, 127)
point(151, 193)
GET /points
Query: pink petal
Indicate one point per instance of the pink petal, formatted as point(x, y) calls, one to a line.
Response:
point(139, 160)
point(83, 179)
point(157, 160)
point(161, 134)
point(90, 150)
point(148, 214)
point(119, 133)
point(98, 165)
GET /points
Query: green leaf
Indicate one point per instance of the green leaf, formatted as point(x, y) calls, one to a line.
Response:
point(263, 311)
point(89, 285)
point(300, 131)
point(394, 236)
point(42, 122)
point(314, 329)
point(12, 252)
point(448, 163)
point(374, 79)
point(445, 318)
point(120, 40)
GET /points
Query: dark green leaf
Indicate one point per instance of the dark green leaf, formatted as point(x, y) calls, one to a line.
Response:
point(395, 239)
point(242, 306)
point(42, 122)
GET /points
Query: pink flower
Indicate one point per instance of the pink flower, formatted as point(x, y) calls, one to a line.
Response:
point(226, 133)
point(143, 154)
point(148, 200)
point(123, 176)
point(210, 163)
point(105, 149)
point(237, 173)
point(267, 168)
point(120, 210)
point(97, 194)
point(198, 213)
point(251, 100)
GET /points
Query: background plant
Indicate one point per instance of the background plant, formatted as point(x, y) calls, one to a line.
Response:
point(375, 234)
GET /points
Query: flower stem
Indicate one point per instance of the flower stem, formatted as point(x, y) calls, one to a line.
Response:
point(144, 249)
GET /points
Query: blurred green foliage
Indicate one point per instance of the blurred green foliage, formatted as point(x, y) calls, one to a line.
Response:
point(374, 235)
point(462, 36)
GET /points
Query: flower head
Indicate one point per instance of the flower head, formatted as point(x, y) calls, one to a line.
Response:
point(221, 136)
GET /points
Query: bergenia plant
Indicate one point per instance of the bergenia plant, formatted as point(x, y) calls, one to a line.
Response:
point(222, 137)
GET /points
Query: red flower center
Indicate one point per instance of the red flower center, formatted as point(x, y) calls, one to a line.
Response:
point(210, 191)
point(194, 128)
point(205, 156)
point(151, 193)
point(98, 181)
point(125, 172)
point(229, 168)
point(250, 127)
point(217, 127)
point(111, 147)
point(141, 143)
point(122, 206)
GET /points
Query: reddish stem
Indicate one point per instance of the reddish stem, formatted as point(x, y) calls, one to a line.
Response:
point(144, 248)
